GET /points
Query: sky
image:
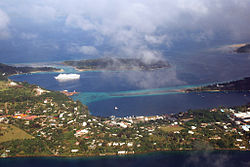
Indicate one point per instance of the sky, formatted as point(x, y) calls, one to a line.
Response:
point(56, 30)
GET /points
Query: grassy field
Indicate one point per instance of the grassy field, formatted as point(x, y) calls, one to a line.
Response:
point(4, 85)
point(171, 128)
point(10, 132)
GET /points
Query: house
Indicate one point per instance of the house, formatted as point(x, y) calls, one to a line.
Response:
point(115, 144)
point(203, 125)
point(242, 147)
point(13, 84)
point(61, 115)
point(122, 124)
point(130, 144)
point(84, 124)
point(121, 144)
point(121, 152)
point(39, 91)
point(215, 138)
point(74, 150)
point(193, 127)
point(246, 127)
point(81, 132)
point(70, 122)
point(190, 132)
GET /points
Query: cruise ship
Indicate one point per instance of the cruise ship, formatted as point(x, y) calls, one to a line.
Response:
point(67, 76)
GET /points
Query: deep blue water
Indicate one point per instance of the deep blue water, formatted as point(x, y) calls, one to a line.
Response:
point(160, 159)
point(162, 104)
point(97, 89)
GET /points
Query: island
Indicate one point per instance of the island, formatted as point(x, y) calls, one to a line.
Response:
point(117, 64)
point(243, 49)
point(38, 122)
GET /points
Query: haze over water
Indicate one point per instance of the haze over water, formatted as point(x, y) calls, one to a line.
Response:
point(153, 92)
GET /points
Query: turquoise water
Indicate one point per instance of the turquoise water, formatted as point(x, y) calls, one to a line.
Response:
point(90, 97)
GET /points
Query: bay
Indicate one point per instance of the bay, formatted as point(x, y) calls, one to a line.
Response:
point(102, 91)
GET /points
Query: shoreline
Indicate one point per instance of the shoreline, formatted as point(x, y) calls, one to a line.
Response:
point(33, 72)
point(123, 155)
point(36, 72)
point(107, 70)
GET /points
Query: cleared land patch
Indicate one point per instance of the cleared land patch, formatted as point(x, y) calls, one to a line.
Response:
point(10, 132)
point(171, 128)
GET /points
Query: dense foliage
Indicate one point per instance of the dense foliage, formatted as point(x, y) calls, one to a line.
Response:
point(10, 70)
point(244, 49)
point(239, 85)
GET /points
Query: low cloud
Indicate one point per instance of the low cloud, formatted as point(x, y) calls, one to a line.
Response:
point(85, 50)
point(28, 36)
point(155, 39)
point(4, 23)
point(79, 22)
point(149, 79)
point(136, 28)
point(88, 50)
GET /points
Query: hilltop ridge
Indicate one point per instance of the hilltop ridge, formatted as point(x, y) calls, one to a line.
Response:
point(7, 70)
point(117, 64)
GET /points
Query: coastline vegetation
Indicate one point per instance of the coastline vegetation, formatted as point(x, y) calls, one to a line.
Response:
point(243, 49)
point(116, 64)
point(239, 85)
point(6, 70)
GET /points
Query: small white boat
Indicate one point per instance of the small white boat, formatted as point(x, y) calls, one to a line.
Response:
point(116, 108)
point(67, 76)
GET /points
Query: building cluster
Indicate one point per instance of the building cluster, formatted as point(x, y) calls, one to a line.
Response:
point(69, 130)
point(241, 118)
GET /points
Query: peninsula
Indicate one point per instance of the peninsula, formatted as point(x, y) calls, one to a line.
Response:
point(238, 85)
point(243, 49)
point(117, 64)
point(7, 70)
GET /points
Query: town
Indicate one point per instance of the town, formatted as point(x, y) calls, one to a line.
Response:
point(38, 122)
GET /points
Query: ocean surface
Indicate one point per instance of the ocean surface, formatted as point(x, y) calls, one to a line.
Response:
point(160, 159)
point(153, 92)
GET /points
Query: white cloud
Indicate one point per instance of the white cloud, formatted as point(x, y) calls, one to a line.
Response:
point(132, 26)
point(4, 22)
point(42, 14)
point(79, 22)
point(28, 36)
point(155, 39)
point(88, 50)
point(129, 26)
